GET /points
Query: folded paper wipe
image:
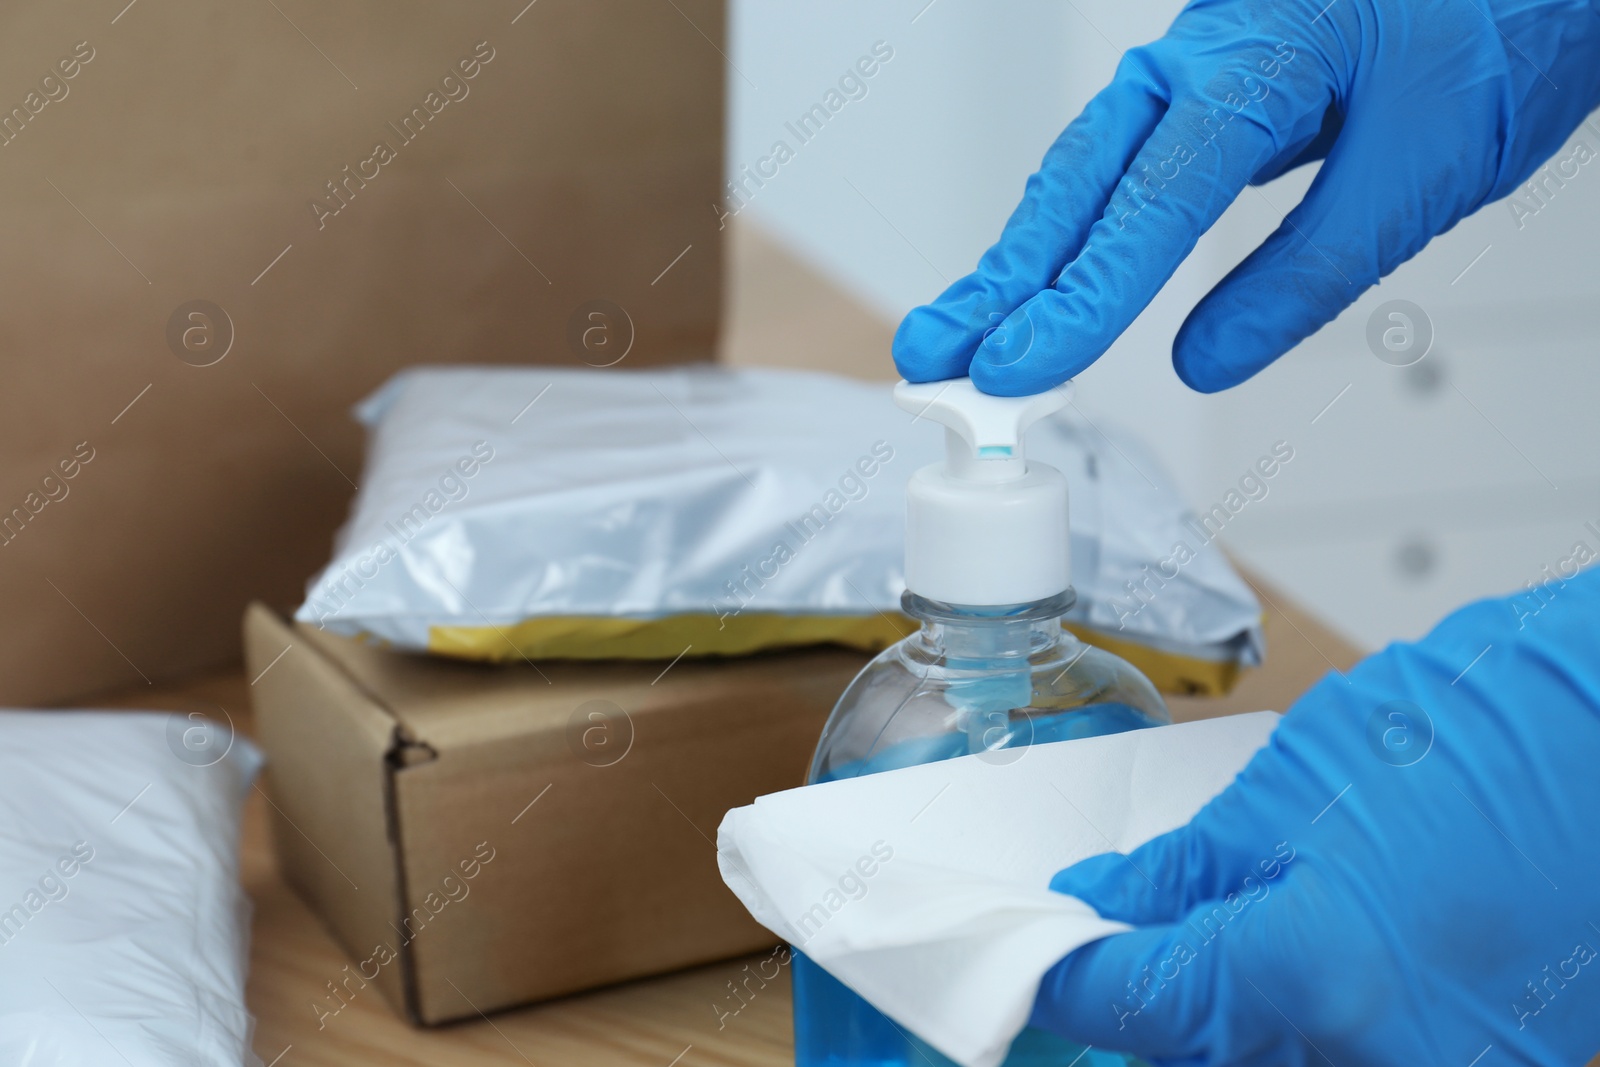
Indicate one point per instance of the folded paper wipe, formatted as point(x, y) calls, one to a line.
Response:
point(926, 889)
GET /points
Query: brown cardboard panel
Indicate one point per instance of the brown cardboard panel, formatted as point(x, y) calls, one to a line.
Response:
point(608, 869)
point(180, 163)
point(552, 824)
point(609, 875)
point(327, 778)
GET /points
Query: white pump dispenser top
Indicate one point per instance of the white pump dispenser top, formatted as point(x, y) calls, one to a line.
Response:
point(985, 527)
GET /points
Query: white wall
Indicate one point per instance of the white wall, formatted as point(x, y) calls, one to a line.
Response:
point(1420, 488)
point(932, 146)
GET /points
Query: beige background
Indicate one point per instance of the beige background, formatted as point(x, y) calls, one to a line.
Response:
point(584, 159)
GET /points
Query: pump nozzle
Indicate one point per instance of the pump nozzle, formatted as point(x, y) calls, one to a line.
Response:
point(984, 438)
point(992, 426)
point(985, 527)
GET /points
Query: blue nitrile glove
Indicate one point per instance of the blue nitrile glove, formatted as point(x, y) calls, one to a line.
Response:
point(1424, 109)
point(1408, 873)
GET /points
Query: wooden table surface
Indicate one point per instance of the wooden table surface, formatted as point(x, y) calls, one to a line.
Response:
point(688, 1019)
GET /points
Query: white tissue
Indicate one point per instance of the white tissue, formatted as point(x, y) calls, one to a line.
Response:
point(926, 889)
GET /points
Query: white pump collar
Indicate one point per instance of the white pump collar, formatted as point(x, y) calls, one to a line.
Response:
point(985, 527)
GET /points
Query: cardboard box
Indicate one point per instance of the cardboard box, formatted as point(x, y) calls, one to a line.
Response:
point(544, 157)
point(481, 836)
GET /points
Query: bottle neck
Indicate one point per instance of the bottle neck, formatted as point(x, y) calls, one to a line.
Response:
point(994, 634)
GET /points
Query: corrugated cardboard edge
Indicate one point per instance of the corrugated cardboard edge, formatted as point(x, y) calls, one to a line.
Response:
point(359, 783)
point(335, 834)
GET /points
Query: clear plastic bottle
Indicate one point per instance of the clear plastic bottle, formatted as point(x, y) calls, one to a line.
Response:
point(985, 680)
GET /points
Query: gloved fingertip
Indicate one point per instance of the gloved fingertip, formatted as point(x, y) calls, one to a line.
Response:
point(1208, 362)
point(1027, 353)
point(1200, 373)
point(1117, 889)
point(1076, 992)
point(1009, 381)
point(1110, 994)
point(1088, 879)
point(1046, 1014)
point(929, 347)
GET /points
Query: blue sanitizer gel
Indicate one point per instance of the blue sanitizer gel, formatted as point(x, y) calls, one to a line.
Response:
point(972, 680)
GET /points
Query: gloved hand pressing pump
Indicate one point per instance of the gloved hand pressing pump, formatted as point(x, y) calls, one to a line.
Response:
point(1408, 873)
point(1422, 110)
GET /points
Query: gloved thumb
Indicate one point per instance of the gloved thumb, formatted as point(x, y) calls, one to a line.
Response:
point(1177, 992)
point(1146, 886)
point(1150, 991)
point(1227, 846)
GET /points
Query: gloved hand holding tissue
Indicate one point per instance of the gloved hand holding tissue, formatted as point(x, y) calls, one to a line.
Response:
point(1437, 903)
point(926, 888)
point(1403, 872)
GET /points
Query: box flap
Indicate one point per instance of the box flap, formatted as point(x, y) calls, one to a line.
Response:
point(328, 783)
point(452, 704)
